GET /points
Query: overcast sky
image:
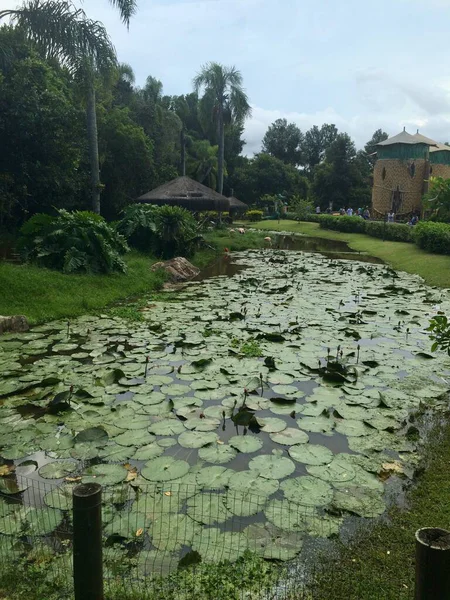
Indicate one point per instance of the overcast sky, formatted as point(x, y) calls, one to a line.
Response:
point(361, 65)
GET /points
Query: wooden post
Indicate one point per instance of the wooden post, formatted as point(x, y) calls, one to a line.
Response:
point(432, 564)
point(87, 542)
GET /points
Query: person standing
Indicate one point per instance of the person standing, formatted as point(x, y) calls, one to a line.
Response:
point(317, 210)
point(350, 212)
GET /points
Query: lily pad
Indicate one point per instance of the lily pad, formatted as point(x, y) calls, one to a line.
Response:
point(246, 443)
point(311, 454)
point(307, 491)
point(217, 454)
point(165, 468)
point(104, 474)
point(251, 481)
point(167, 427)
point(57, 470)
point(214, 478)
point(272, 543)
point(271, 424)
point(290, 436)
point(272, 466)
point(208, 509)
point(197, 439)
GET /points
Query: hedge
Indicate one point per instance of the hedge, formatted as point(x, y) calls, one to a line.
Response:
point(396, 232)
point(433, 237)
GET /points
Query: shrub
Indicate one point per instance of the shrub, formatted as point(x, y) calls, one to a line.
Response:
point(254, 215)
point(396, 232)
point(165, 231)
point(432, 237)
point(73, 242)
point(345, 224)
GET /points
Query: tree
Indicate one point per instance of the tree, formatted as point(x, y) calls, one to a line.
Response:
point(223, 87)
point(370, 147)
point(284, 141)
point(202, 162)
point(265, 175)
point(41, 136)
point(338, 180)
point(61, 32)
point(316, 143)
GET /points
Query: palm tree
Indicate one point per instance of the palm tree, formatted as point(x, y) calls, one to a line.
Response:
point(223, 85)
point(64, 33)
point(202, 162)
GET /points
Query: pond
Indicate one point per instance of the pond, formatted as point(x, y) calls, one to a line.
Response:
point(265, 405)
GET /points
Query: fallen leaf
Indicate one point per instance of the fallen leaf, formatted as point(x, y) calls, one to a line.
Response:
point(220, 442)
point(132, 474)
point(6, 470)
point(167, 493)
point(73, 479)
point(139, 532)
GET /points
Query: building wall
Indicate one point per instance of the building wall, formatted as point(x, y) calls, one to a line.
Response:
point(398, 174)
point(440, 171)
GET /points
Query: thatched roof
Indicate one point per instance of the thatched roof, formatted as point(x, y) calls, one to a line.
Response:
point(236, 204)
point(185, 192)
point(440, 148)
point(406, 138)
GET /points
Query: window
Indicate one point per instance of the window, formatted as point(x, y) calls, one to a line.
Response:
point(383, 174)
point(412, 169)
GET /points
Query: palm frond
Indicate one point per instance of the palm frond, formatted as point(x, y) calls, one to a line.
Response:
point(127, 8)
point(61, 31)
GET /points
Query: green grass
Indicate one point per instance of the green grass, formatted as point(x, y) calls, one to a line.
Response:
point(43, 295)
point(380, 564)
point(434, 268)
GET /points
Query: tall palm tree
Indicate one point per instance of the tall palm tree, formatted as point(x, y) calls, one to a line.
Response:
point(223, 85)
point(65, 33)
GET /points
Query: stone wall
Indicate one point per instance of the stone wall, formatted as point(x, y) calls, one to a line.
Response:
point(398, 174)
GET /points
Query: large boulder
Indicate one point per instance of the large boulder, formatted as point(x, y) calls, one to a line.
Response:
point(15, 324)
point(178, 269)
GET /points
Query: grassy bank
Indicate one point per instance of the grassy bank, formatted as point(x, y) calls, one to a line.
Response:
point(380, 564)
point(43, 295)
point(434, 268)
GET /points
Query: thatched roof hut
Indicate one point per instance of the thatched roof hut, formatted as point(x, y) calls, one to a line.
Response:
point(185, 192)
point(237, 206)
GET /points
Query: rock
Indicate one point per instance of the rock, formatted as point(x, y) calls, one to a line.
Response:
point(17, 323)
point(178, 269)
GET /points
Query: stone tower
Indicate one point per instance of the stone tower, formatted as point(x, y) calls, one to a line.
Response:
point(404, 165)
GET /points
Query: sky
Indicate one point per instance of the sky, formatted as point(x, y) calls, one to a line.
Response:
point(360, 65)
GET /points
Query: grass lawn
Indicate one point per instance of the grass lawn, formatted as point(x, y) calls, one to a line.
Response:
point(43, 295)
point(434, 268)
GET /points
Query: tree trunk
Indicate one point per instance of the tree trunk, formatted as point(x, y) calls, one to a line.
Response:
point(183, 153)
point(93, 146)
point(221, 150)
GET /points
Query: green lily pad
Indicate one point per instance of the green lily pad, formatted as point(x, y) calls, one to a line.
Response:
point(167, 427)
point(216, 547)
point(272, 466)
point(104, 474)
point(251, 481)
point(246, 443)
point(95, 435)
point(208, 509)
point(338, 470)
point(164, 468)
point(57, 470)
point(148, 452)
point(197, 439)
point(271, 424)
point(217, 454)
point(175, 389)
point(272, 543)
point(171, 532)
point(359, 501)
point(311, 454)
point(214, 478)
point(245, 504)
point(307, 491)
point(289, 437)
point(60, 497)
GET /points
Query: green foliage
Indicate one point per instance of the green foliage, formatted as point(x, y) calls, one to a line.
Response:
point(396, 232)
point(254, 215)
point(440, 333)
point(347, 224)
point(433, 237)
point(251, 348)
point(284, 141)
point(338, 180)
point(266, 175)
point(78, 242)
point(436, 203)
point(167, 231)
point(301, 208)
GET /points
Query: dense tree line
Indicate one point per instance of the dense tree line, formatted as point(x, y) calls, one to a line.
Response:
point(77, 133)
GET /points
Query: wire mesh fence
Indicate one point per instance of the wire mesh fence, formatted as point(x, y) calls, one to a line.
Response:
point(178, 541)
